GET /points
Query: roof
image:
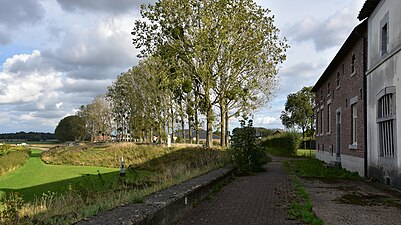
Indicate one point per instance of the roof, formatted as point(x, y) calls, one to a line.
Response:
point(359, 31)
point(367, 8)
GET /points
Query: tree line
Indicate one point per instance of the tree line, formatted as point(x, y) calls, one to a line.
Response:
point(201, 61)
point(28, 136)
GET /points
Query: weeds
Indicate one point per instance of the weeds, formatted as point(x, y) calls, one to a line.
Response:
point(301, 208)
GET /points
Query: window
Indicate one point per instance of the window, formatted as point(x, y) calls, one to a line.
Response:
point(321, 94)
point(354, 124)
point(317, 123)
point(321, 121)
point(384, 35)
point(384, 39)
point(329, 118)
point(338, 79)
point(353, 59)
point(386, 124)
point(328, 88)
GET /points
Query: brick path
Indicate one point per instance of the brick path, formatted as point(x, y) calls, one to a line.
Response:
point(258, 199)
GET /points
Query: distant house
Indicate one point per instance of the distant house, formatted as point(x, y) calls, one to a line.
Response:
point(202, 135)
point(340, 105)
point(383, 87)
point(277, 132)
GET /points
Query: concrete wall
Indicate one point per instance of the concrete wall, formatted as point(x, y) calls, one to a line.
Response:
point(353, 164)
point(383, 72)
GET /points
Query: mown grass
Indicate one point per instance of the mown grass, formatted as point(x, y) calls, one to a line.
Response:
point(90, 194)
point(306, 153)
point(35, 177)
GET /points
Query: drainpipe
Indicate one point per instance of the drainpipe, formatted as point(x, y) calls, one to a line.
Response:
point(365, 105)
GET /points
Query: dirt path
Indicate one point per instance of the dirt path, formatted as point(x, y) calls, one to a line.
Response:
point(354, 202)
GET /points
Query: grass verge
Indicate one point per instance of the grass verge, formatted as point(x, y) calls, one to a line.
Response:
point(89, 194)
point(301, 207)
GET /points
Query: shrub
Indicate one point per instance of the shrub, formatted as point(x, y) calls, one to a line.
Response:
point(246, 155)
point(13, 160)
point(285, 144)
point(12, 203)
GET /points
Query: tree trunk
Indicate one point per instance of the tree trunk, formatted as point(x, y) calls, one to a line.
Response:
point(182, 123)
point(209, 122)
point(172, 123)
point(189, 129)
point(196, 119)
point(222, 124)
point(226, 120)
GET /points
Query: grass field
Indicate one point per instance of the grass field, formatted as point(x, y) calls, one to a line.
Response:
point(36, 177)
point(68, 193)
point(307, 152)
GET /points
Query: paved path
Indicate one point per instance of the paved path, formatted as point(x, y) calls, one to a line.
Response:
point(259, 199)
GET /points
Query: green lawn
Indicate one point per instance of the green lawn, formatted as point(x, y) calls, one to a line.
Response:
point(36, 177)
point(307, 152)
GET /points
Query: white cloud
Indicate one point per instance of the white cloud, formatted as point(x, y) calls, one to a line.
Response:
point(18, 86)
point(327, 33)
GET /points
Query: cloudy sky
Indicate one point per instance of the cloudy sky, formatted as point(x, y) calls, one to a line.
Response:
point(56, 55)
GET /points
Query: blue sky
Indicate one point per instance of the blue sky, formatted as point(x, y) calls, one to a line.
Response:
point(56, 55)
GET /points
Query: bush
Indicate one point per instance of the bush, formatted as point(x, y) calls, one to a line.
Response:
point(246, 155)
point(285, 144)
point(13, 160)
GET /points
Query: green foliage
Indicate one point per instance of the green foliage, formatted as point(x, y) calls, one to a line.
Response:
point(299, 110)
point(12, 203)
point(226, 51)
point(284, 144)
point(246, 155)
point(13, 159)
point(316, 169)
point(302, 208)
point(71, 128)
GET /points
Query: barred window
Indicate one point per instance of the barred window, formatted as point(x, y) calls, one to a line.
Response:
point(386, 125)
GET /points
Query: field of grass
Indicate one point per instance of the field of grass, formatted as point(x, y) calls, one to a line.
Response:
point(306, 153)
point(35, 177)
point(67, 194)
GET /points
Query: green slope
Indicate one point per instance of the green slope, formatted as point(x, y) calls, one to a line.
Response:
point(36, 177)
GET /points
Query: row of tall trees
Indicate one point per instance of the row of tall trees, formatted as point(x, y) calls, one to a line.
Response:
point(207, 55)
point(200, 59)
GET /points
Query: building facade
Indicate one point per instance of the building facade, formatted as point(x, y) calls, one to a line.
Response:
point(383, 89)
point(340, 105)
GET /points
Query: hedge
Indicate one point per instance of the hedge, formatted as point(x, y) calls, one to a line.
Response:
point(286, 143)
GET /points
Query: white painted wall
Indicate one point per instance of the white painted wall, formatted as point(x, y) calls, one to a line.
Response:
point(383, 71)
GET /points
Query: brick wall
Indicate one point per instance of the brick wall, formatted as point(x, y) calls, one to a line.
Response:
point(350, 89)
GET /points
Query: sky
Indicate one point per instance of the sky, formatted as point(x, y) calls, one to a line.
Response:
point(56, 55)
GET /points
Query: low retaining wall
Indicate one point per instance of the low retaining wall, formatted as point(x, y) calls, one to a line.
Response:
point(166, 206)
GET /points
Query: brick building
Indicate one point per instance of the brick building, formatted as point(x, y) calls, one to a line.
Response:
point(340, 105)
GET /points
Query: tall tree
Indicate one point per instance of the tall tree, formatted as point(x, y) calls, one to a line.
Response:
point(97, 117)
point(223, 45)
point(70, 128)
point(299, 110)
